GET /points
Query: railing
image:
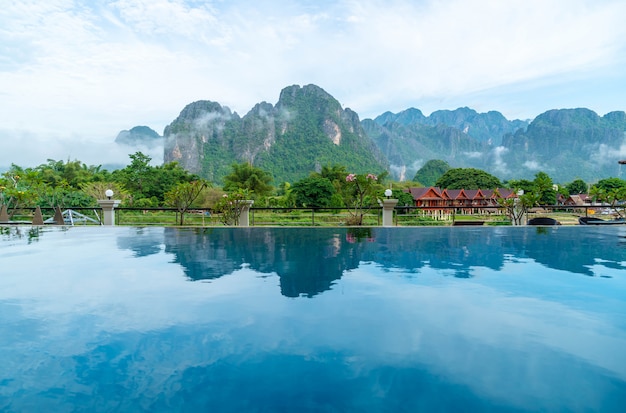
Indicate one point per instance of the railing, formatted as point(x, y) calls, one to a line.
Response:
point(267, 216)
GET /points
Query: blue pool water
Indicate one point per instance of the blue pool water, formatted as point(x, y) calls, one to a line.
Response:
point(458, 319)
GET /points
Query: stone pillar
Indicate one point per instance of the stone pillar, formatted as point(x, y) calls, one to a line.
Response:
point(388, 206)
point(244, 216)
point(4, 215)
point(108, 210)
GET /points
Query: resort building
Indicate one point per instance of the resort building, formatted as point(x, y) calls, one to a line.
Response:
point(440, 203)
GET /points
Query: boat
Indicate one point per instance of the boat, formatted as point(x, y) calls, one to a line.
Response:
point(600, 221)
point(543, 221)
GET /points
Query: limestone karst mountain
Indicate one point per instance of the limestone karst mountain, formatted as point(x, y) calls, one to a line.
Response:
point(307, 128)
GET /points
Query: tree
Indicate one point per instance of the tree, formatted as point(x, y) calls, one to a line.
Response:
point(516, 208)
point(183, 195)
point(404, 198)
point(70, 174)
point(244, 176)
point(432, 170)
point(137, 173)
point(148, 184)
point(63, 195)
point(19, 188)
point(544, 187)
point(97, 190)
point(611, 191)
point(468, 178)
point(523, 184)
point(230, 207)
point(360, 195)
point(314, 191)
point(610, 184)
point(335, 174)
point(577, 186)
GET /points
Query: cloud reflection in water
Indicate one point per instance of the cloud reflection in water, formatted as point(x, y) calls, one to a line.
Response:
point(314, 319)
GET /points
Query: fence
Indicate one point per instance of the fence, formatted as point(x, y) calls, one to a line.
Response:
point(266, 216)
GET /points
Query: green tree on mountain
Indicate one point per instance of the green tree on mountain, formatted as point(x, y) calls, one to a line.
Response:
point(432, 170)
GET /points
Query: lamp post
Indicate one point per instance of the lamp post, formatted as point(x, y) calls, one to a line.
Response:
point(388, 206)
point(108, 207)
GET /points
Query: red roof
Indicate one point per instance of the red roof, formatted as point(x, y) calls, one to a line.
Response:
point(504, 193)
point(432, 192)
point(455, 193)
point(474, 194)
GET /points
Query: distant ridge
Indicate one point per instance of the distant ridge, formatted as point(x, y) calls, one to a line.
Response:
point(307, 128)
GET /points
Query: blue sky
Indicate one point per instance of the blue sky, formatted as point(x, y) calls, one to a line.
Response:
point(74, 73)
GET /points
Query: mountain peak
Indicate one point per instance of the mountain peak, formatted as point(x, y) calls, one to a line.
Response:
point(139, 136)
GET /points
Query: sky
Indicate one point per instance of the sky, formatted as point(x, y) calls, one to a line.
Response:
point(73, 74)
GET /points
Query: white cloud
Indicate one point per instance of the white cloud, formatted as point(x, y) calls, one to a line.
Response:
point(605, 154)
point(32, 149)
point(533, 165)
point(499, 164)
point(474, 155)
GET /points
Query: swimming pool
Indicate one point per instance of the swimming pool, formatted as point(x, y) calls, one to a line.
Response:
point(313, 319)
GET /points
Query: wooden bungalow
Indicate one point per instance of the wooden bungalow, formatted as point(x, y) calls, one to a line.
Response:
point(432, 200)
point(467, 201)
point(456, 198)
point(475, 200)
point(581, 200)
point(578, 200)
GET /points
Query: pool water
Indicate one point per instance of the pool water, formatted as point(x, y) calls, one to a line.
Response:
point(458, 319)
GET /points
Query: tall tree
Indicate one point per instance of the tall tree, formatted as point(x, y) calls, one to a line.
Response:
point(544, 187)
